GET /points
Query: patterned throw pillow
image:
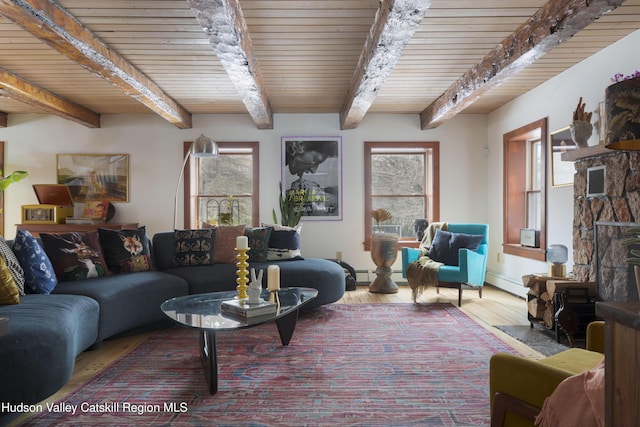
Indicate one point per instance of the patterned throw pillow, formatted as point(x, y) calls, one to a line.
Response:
point(125, 251)
point(75, 256)
point(13, 265)
point(8, 289)
point(225, 243)
point(193, 247)
point(258, 243)
point(39, 276)
point(284, 243)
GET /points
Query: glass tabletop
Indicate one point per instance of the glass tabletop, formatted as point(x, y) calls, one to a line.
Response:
point(203, 311)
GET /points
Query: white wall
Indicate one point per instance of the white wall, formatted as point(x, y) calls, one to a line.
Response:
point(555, 99)
point(155, 149)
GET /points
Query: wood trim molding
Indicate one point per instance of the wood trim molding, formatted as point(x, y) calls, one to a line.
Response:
point(369, 146)
point(514, 184)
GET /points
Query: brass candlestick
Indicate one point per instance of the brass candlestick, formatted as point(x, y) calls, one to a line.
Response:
point(242, 273)
point(274, 298)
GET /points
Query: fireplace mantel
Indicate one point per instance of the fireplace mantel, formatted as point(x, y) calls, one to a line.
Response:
point(584, 153)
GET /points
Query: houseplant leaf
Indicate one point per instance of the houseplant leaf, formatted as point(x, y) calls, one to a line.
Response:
point(11, 178)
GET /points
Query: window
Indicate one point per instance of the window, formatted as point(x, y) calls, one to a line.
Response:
point(525, 174)
point(534, 183)
point(223, 189)
point(402, 177)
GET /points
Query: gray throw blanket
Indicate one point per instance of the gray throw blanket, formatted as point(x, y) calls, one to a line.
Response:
point(423, 272)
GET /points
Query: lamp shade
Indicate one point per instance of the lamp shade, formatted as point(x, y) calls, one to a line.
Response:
point(622, 106)
point(557, 254)
point(204, 147)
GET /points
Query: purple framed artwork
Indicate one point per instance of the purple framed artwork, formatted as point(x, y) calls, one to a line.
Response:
point(312, 173)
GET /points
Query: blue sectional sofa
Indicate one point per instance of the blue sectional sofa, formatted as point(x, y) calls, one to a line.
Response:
point(47, 332)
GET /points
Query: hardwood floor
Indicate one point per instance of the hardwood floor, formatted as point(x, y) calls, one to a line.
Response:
point(496, 307)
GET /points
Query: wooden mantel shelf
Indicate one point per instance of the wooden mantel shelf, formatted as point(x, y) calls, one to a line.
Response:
point(583, 153)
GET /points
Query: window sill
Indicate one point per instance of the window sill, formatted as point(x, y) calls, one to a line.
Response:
point(538, 254)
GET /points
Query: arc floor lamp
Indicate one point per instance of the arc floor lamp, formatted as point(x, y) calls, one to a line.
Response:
point(202, 147)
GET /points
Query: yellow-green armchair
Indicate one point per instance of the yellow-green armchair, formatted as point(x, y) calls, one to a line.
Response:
point(519, 386)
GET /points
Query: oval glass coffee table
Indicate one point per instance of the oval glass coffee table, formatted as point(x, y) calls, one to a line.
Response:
point(203, 312)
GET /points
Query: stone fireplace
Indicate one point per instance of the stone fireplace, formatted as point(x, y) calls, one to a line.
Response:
point(599, 216)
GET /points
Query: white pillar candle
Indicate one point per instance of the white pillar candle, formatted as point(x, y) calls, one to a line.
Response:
point(273, 278)
point(242, 242)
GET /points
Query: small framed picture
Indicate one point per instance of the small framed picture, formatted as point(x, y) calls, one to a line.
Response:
point(96, 210)
point(561, 172)
point(596, 179)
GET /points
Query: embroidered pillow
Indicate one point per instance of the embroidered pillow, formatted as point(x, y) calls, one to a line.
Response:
point(8, 289)
point(12, 263)
point(39, 276)
point(193, 247)
point(445, 246)
point(258, 243)
point(74, 255)
point(284, 243)
point(125, 251)
point(225, 243)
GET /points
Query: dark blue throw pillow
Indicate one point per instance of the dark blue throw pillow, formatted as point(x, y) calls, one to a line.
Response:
point(258, 243)
point(445, 246)
point(39, 276)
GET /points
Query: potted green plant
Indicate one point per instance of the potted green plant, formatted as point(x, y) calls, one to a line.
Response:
point(290, 209)
point(10, 179)
point(226, 217)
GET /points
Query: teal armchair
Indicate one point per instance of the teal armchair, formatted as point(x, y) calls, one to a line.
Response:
point(472, 265)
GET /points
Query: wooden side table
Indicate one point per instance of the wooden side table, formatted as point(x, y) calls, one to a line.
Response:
point(621, 355)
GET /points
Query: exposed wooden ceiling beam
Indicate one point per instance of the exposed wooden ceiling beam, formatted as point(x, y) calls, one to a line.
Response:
point(395, 23)
point(553, 24)
point(21, 90)
point(56, 27)
point(224, 23)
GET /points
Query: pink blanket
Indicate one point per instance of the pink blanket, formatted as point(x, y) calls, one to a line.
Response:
point(578, 401)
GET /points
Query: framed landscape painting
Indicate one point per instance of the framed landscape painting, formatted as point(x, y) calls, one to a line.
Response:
point(312, 174)
point(561, 172)
point(95, 177)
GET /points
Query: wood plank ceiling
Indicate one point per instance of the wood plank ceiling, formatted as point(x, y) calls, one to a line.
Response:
point(437, 58)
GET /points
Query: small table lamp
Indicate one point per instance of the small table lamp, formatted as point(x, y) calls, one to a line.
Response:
point(557, 257)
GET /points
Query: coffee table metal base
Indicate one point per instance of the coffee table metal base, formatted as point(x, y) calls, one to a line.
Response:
point(286, 325)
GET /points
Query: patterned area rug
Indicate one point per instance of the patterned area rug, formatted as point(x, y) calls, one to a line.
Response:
point(347, 365)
